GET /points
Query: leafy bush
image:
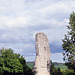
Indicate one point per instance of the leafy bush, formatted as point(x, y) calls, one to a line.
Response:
point(58, 71)
point(67, 72)
point(55, 71)
point(13, 64)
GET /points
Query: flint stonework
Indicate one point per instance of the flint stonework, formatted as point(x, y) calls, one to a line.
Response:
point(42, 61)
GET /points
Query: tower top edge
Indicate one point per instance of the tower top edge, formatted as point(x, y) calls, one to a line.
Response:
point(39, 33)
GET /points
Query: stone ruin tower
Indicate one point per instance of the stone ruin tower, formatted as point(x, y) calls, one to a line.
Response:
point(42, 61)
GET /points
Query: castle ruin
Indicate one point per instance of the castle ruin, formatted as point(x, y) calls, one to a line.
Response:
point(42, 61)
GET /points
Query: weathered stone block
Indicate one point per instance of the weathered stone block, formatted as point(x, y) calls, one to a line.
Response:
point(42, 61)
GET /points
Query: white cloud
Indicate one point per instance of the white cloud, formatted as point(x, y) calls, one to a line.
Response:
point(7, 22)
point(57, 57)
point(16, 14)
point(20, 20)
point(30, 58)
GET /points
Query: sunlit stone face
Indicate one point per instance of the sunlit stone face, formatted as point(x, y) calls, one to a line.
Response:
point(42, 61)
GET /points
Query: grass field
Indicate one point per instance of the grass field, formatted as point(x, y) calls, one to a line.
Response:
point(57, 65)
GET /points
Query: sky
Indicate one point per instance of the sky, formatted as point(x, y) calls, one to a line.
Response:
point(20, 20)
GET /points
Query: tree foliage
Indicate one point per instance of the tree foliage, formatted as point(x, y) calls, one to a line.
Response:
point(12, 63)
point(54, 71)
point(69, 43)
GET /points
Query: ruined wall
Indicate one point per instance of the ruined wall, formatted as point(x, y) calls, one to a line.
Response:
point(42, 61)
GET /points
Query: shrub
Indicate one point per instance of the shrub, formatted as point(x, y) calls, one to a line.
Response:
point(67, 72)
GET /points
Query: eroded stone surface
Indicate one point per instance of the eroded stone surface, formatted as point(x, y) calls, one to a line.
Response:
point(42, 61)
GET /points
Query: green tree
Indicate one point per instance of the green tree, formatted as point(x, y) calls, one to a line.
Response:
point(26, 69)
point(2, 50)
point(69, 43)
point(9, 63)
point(54, 71)
point(12, 63)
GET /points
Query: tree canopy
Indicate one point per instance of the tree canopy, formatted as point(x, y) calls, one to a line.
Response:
point(11, 62)
point(69, 43)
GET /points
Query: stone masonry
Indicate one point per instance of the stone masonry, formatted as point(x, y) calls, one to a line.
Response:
point(42, 61)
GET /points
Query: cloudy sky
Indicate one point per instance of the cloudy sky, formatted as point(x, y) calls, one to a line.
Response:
point(20, 20)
